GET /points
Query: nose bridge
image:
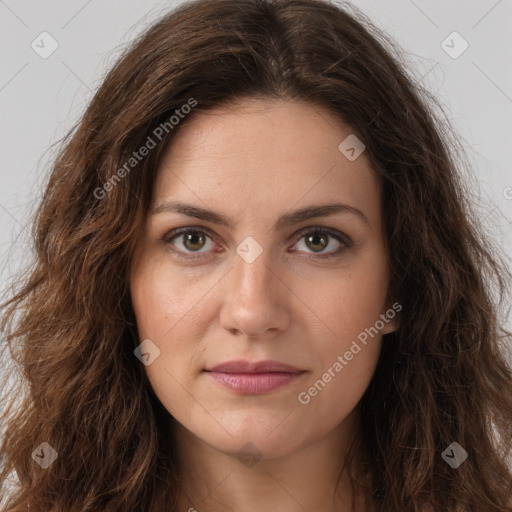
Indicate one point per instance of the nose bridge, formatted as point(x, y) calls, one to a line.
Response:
point(253, 266)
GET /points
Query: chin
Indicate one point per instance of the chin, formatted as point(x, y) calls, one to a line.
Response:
point(249, 449)
point(265, 438)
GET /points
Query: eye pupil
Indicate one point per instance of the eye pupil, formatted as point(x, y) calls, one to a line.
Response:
point(192, 237)
point(315, 238)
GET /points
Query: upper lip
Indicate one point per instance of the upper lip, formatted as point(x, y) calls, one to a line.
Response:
point(241, 366)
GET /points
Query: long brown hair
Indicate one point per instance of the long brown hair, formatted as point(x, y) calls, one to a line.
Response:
point(69, 325)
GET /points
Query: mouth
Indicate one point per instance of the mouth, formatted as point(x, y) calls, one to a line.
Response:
point(254, 377)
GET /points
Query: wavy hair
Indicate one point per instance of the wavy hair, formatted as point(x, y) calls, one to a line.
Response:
point(70, 328)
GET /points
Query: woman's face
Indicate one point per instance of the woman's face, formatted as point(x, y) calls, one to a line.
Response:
point(256, 284)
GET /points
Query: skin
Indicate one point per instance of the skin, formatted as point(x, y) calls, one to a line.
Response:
point(255, 161)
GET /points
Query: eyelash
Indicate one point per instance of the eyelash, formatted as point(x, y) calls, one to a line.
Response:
point(343, 239)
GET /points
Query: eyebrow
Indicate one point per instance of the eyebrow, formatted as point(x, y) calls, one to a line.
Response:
point(286, 220)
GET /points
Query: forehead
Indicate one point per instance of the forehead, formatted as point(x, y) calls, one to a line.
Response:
point(269, 153)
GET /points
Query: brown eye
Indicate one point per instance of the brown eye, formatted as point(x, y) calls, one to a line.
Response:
point(194, 240)
point(188, 240)
point(317, 242)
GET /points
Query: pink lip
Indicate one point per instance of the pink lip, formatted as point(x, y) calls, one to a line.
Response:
point(241, 366)
point(254, 378)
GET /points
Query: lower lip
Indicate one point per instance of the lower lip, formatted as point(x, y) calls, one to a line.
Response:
point(254, 383)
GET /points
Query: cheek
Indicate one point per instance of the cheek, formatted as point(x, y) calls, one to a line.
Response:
point(347, 341)
point(161, 298)
point(346, 304)
point(338, 383)
point(334, 395)
point(161, 304)
point(167, 313)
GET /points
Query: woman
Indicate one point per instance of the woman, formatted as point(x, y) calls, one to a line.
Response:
point(259, 285)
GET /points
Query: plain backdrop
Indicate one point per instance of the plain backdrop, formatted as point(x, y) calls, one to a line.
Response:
point(41, 96)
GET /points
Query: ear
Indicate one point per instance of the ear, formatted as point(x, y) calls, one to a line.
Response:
point(390, 317)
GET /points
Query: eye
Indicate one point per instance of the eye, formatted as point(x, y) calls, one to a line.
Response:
point(190, 240)
point(317, 239)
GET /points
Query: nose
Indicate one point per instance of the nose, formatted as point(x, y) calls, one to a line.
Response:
point(256, 299)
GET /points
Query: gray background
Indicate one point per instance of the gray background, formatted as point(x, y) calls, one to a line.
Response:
point(40, 99)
